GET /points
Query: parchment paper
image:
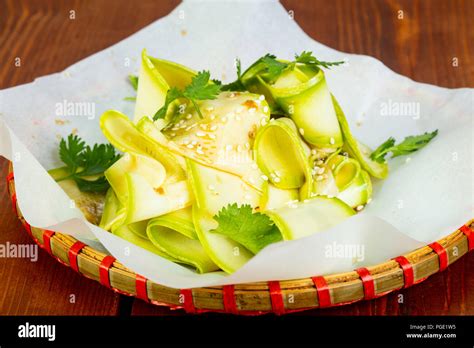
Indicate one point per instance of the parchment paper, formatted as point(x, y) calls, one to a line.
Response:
point(423, 199)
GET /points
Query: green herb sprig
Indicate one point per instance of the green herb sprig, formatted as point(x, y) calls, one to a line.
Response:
point(200, 88)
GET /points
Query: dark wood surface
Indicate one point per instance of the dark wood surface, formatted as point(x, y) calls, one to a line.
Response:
point(423, 45)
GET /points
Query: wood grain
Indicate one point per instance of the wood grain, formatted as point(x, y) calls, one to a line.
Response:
point(423, 45)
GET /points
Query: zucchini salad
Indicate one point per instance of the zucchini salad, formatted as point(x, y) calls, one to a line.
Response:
point(208, 174)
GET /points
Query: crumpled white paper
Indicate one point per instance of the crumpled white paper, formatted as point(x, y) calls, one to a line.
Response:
point(422, 200)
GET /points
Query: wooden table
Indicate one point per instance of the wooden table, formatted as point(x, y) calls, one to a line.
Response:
point(424, 44)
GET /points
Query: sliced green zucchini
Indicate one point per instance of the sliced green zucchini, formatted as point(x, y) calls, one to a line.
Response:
point(111, 207)
point(125, 233)
point(302, 219)
point(155, 78)
point(281, 156)
point(358, 150)
point(145, 202)
point(344, 169)
point(275, 197)
point(358, 192)
point(224, 137)
point(214, 189)
point(122, 134)
point(174, 233)
point(139, 228)
point(302, 94)
point(149, 168)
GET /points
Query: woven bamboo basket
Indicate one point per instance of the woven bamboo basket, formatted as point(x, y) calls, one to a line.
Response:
point(279, 297)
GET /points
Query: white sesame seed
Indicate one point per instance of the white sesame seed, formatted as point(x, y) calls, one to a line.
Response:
point(194, 142)
point(330, 196)
point(212, 136)
point(264, 177)
point(224, 119)
point(277, 173)
point(185, 141)
point(190, 146)
point(254, 166)
point(276, 179)
point(232, 95)
point(212, 117)
point(262, 97)
point(408, 159)
point(319, 178)
point(200, 134)
point(211, 187)
point(173, 134)
point(359, 207)
point(314, 152)
point(263, 121)
point(265, 109)
point(301, 130)
point(213, 127)
point(189, 116)
point(199, 151)
point(239, 148)
point(209, 108)
point(321, 170)
point(319, 162)
point(369, 200)
point(332, 141)
point(228, 147)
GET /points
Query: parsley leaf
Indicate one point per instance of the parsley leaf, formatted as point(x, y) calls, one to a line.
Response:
point(408, 145)
point(306, 57)
point(253, 230)
point(83, 160)
point(198, 89)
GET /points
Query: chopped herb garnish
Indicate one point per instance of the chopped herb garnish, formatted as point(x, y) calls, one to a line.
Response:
point(200, 88)
point(253, 230)
point(83, 161)
point(408, 145)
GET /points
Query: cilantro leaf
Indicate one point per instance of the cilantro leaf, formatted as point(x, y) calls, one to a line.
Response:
point(82, 161)
point(99, 185)
point(306, 57)
point(379, 154)
point(200, 88)
point(408, 145)
point(69, 151)
point(133, 79)
point(253, 230)
point(273, 67)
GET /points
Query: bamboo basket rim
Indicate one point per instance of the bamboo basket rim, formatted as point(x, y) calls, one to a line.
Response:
point(278, 297)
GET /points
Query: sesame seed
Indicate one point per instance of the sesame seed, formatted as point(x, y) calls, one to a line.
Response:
point(213, 117)
point(254, 166)
point(408, 159)
point(330, 196)
point(200, 134)
point(321, 170)
point(190, 146)
point(319, 162)
point(301, 130)
point(333, 167)
point(224, 119)
point(203, 126)
point(264, 177)
point(276, 179)
point(369, 200)
point(209, 108)
point(265, 109)
point(332, 141)
point(359, 207)
point(211, 187)
point(228, 147)
point(277, 173)
point(199, 151)
point(314, 152)
point(213, 127)
point(175, 128)
point(263, 121)
point(189, 116)
point(194, 142)
point(212, 136)
point(247, 146)
point(173, 134)
point(319, 178)
point(239, 148)
point(232, 95)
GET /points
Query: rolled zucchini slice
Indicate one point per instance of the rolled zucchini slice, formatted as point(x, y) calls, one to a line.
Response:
point(358, 192)
point(174, 233)
point(223, 138)
point(145, 202)
point(215, 189)
point(155, 78)
point(275, 197)
point(110, 214)
point(302, 94)
point(150, 169)
point(123, 134)
point(358, 150)
point(302, 219)
point(344, 169)
point(124, 232)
